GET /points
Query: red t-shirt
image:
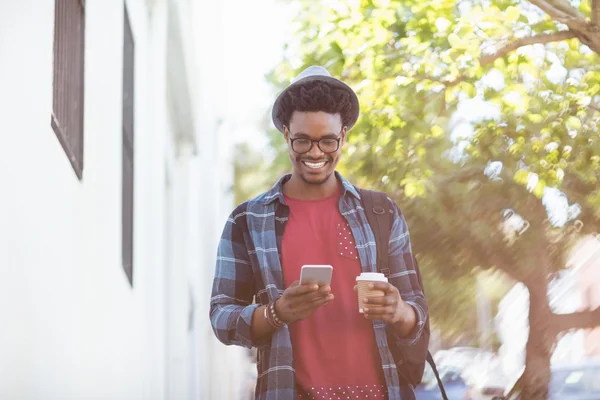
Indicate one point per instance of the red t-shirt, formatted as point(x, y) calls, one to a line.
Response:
point(335, 352)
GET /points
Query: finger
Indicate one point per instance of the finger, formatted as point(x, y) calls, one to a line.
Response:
point(383, 318)
point(316, 297)
point(388, 288)
point(321, 292)
point(307, 312)
point(325, 289)
point(326, 298)
point(300, 290)
point(355, 288)
point(324, 301)
point(306, 300)
point(378, 310)
point(381, 300)
point(313, 305)
point(379, 313)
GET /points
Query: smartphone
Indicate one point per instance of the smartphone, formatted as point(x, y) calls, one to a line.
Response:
point(316, 273)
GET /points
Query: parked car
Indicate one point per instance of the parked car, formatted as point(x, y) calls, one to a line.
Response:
point(579, 381)
point(462, 357)
point(485, 381)
point(486, 388)
point(454, 384)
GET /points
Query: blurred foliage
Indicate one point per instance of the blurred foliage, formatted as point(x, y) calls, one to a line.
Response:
point(468, 109)
point(250, 173)
point(256, 170)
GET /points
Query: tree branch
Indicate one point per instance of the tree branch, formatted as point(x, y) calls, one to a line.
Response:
point(440, 80)
point(566, 7)
point(501, 52)
point(515, 44)
point(562, 11)
point(595, 11)
point(578, 320)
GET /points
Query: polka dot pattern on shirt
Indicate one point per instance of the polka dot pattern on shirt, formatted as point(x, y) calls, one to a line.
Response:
point(344, 393)
point(346, 243)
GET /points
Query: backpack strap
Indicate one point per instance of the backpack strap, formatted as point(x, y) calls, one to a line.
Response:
point(437, 375)
point(377, 210)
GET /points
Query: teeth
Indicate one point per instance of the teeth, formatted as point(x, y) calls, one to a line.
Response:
point(314, 165)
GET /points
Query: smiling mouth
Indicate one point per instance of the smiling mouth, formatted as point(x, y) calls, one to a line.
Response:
point(314, 165)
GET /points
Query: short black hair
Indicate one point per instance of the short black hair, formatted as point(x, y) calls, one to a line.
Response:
point(313, 97)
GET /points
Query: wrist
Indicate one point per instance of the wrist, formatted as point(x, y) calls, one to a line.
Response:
point(272, 317)
point(278, 313)
point(406, 320)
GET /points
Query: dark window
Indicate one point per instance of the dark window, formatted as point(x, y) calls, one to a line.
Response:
point(67, 108)
point(128, 146)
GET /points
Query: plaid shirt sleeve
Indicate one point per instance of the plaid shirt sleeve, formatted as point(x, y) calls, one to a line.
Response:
point(403, 275)
point(231, 307)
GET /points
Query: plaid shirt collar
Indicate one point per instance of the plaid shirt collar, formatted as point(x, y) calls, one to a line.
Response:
point(276, 192)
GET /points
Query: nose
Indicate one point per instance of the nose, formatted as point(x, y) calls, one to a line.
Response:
point(315, 152)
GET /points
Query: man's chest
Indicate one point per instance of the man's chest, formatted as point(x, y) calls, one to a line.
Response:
point(317, 227)
point(322, 237)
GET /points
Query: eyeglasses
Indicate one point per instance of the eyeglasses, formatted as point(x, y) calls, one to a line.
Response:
point(326, 145)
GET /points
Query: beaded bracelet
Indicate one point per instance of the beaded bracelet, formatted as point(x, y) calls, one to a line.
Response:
point(271, 316)
point(266, 314)
point(270, 319)
point(274, 314)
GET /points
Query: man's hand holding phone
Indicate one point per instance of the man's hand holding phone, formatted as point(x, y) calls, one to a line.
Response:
point(301, 301)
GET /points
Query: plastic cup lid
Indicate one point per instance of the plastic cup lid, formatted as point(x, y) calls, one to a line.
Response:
point(372, 276)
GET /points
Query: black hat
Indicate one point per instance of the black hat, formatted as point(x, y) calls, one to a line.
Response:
point(316, 73)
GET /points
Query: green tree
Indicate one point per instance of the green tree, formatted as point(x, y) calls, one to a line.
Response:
point(256, 170)
point(481, 119)
point(452, 298)
point(249, 172)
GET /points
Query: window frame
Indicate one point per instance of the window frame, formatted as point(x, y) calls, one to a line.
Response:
point(68, 92)
point(128, 149)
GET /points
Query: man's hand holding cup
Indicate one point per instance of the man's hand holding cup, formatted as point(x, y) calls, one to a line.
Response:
point(380, 300)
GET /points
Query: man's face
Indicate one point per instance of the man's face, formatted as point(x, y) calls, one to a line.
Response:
point(317, 165)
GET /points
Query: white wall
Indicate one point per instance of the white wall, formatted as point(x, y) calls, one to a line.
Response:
point(213, 165)
point(71, 326)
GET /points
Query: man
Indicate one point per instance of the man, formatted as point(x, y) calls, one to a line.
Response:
point(312, 341)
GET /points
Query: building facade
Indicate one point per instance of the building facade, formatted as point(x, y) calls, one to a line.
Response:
point(115, 174)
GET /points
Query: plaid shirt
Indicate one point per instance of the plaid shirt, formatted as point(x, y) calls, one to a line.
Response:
point(249, 268)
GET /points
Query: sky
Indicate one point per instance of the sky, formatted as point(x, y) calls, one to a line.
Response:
point(255, 34)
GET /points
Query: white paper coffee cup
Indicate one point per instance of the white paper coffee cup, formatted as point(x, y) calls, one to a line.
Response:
point(363, 281)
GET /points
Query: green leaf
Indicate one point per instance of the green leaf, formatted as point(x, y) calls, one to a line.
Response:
point(513, 13)
point(410, 189)
point(535, 118)
point(521, 176)
point(538, 191)
point(455, 41)
point(468, 88)
point(573, 123)
point(437, 131)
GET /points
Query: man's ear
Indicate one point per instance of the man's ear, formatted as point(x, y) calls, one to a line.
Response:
point(286, 133)
point(344, 135)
